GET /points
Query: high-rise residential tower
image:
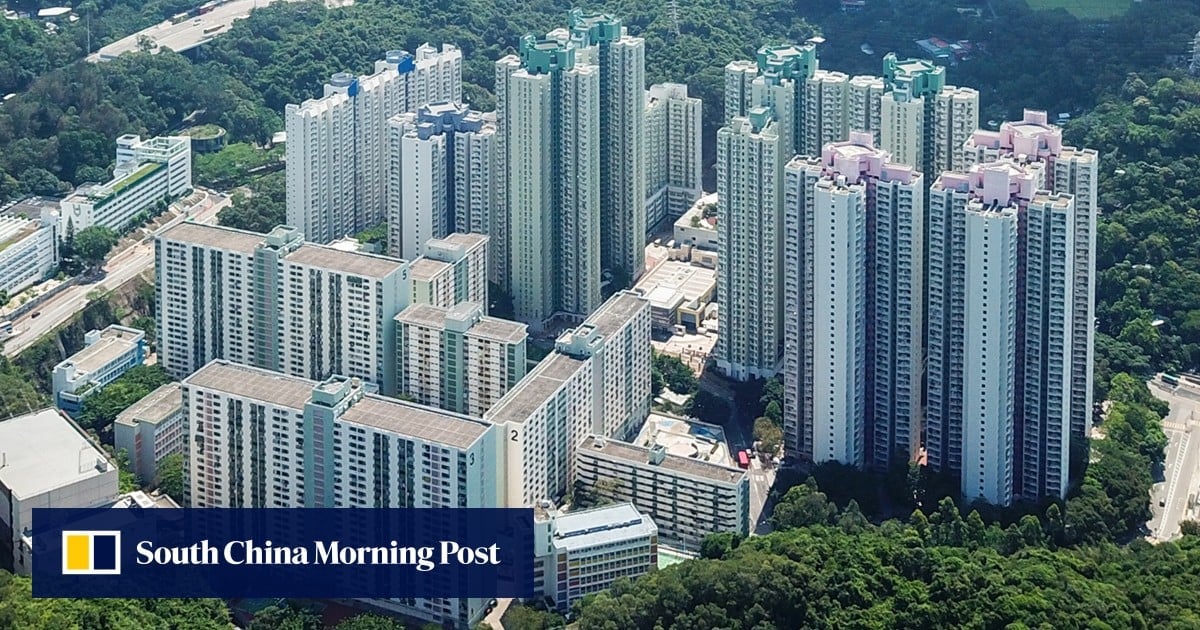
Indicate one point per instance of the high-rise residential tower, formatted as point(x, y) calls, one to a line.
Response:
point(602, 40)
point(674, 161)
point(1000, 330)
point(1072, 171)
point(440, 176)
point(550, 125)
point(337, 149)
point(922, 121)
point(749, 234)
point(853, 360)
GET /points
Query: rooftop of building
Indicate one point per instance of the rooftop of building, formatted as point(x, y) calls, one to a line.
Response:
point(673, 463)
point(426, 315)
point(674, 281)
point(155, 407)
point(353, 263)
point(697, 211)
point(466, 240)
point(535, 389)
point(277, 389)
point(214, 236)
point(43, 451)
point(415, 421)
point(114, 342)
point(601, 526)
point(15, 229)
point(143, 500)
point(498, 329)
point(426, 269)
point(616, 312)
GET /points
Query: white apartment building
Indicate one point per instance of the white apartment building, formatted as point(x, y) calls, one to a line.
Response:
point(597, 381)
point(106, 355)
point(457, 358)
point(261, 439)
point(688, 499)
point(440, 176)
point(750, 230)
point(453, 270)
point(853, 356)
point(923, 121)
point(621, 58)
point(151, 429)
point(46, 461)
point(273, 301)
point(673, 152)
point(337, 149)
point(826, 111)
point(550, 120)
point(28, 251)
point(1072, 171)
point(147, 172)
point(584, 552)
point(998, 407)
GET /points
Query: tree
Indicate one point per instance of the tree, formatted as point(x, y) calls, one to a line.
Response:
point(717, 546)
point(708, 407)
point(803, 506)
point(286, 617)
point(518, 616)
point(93, 243)
point(370, 622)
point(769, 435)
point(101, 408)
point(675, 373)
point(1190, 528)
point(170, 477)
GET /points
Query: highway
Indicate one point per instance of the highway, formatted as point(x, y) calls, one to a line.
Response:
point(119, 269)
point(1181, 467)
point(191, 32)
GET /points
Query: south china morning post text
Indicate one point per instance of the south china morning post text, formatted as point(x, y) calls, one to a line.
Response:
point(298, 553)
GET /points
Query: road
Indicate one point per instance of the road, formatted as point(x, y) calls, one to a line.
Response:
point(120, 268)
point(1181, 467)
point(191, 32)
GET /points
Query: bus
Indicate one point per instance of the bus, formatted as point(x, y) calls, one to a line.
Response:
point(6, 329)
point(1170, 379)
point(743, 459)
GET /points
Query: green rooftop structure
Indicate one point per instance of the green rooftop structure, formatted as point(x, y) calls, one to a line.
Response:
point(544, 56)
point(914, 78)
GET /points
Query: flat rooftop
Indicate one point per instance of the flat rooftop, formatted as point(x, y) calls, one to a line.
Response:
point(601, 526)
point(214, 236)
point(466, 240)
point(499, 330)
point(157, 406)
point(673, 277)
point(114, 342)
point(616, 312)
point(353, 263)
point(426, 269)
point(535, 389)
point(671, 463)
point(415, 421)
point(43, 451)
point(241, 380)
point(13, 229)
point(426, 315)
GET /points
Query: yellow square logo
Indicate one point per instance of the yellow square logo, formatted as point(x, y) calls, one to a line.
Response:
point(91, 553)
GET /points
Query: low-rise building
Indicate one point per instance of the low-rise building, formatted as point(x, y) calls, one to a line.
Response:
point(580, 553)
point(687, 498)
point(147, 172)
point(678, 292)
point(698, 226)
point(28, 251)
point(107, 354)
point(46, 460)
point(151, 429)
point(456, 358)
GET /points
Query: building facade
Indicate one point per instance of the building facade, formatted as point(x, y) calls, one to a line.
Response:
point(275, 302)
point(337, 148)
point(673, 152)
point(457, 359)
point(147, 172)
point(440, 176)
point(28, 251)
point(106, 355)
point(853, 358)
point(750, 154)
point(151, 429)
point(688, 499)
point(999, 413)
point(584, 552)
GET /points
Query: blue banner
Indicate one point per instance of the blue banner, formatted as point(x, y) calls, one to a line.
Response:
point(298, 553)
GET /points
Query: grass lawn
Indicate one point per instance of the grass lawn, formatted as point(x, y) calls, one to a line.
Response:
point(1085, 9)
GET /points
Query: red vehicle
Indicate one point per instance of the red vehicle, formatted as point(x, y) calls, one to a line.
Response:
point(743, 459)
